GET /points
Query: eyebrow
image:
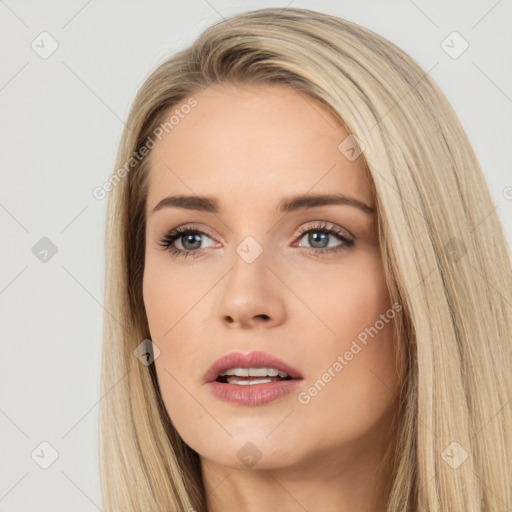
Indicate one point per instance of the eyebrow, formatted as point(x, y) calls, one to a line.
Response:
point(287, 205)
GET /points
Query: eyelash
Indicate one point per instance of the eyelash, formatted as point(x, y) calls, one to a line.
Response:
point(168, 240)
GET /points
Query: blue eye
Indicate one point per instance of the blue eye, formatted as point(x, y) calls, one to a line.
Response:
point(191, 242)
point(320, 233)
point(185, 235)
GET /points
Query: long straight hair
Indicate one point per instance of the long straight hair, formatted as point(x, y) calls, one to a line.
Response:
point(444, 252)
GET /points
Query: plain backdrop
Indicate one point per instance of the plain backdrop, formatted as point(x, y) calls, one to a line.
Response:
point(60, 125)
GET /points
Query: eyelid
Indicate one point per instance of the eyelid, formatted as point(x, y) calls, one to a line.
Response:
point(327, 225)
point(190, 226)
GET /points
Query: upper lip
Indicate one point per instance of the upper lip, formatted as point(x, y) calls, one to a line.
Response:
point(255, 359)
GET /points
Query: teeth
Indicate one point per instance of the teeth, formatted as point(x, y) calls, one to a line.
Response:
point(234, 380)
point(255, 372)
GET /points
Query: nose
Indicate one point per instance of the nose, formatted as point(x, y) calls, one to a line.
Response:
point(252, 295)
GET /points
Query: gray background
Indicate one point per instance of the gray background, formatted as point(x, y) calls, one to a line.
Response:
point(60, 124)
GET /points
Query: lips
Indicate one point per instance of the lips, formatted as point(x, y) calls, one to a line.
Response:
point(251, 360)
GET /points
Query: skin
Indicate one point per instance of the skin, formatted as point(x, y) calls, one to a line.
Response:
point(250, 147)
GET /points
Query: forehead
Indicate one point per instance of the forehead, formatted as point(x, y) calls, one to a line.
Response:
point(254, 144)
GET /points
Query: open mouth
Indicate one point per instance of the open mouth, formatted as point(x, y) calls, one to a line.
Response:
point(248, 376)
point(249, 380)
point(253, 379)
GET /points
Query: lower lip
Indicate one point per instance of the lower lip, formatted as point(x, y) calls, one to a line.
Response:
point(253, 394)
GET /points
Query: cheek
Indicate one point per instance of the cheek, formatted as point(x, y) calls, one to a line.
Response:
point(168, 295)
point(170, 304)
point(352, 380)
point(355, 390)
point(366, 321)
point(346, 298)
point(168, 301)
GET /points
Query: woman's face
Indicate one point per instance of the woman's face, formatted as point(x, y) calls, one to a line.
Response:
point(302, 283)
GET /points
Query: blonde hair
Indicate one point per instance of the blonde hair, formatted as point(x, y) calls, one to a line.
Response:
point(444, 252)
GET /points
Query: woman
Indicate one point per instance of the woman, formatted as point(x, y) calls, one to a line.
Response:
point(337, 335)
